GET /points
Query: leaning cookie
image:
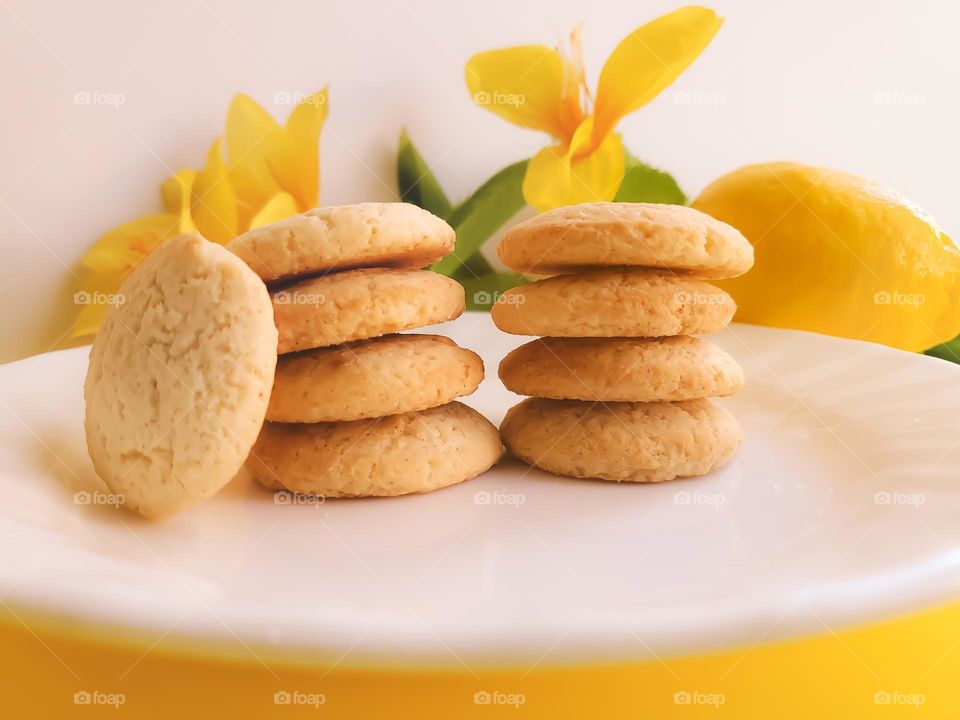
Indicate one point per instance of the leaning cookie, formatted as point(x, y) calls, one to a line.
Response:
point(621, 369)
point(360, 304)
point(614, 303)
point(593, 235)
point(637, 442)
point(179, 377)
point(349, 236)
point(395, 455)
point(371, 378)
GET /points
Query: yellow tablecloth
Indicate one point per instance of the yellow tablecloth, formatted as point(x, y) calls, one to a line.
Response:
point(909, 667)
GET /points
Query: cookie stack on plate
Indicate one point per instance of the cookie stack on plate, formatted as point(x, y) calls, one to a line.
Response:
point(357, 409)
point(620, 386)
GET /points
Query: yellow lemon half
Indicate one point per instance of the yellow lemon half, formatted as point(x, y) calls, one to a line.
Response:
point(839, 255)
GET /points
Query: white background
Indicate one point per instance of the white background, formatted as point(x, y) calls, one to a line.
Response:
point(802, 81)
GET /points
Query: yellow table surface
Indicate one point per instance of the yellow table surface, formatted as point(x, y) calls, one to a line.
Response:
point(908, 667)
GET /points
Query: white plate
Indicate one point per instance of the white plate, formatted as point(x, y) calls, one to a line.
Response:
point(842, 507)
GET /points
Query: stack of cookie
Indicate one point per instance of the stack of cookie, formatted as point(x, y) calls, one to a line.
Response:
point(620, 386)
point(357, 409)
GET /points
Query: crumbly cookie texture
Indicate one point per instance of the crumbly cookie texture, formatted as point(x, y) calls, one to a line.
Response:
point(637, 442)
point(179, 377)
point(359, 304)
point(344, 237)
point(621, 369)
point(595, 235)
point(371, 378)
point(395, 455)
point(614, 303)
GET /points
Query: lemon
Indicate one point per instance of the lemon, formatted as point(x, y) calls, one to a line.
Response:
point(837, 254)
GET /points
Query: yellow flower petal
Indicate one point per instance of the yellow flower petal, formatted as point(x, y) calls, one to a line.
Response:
point(527, 85)
point(558, 175)
point(176, 191)
point(212, 201)
point(280, 206)
point(124, 246)
point(252, 136)
point(648, 60)
point(296, 161)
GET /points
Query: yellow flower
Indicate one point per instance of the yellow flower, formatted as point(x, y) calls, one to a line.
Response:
point(538, 87)
point(273, 172)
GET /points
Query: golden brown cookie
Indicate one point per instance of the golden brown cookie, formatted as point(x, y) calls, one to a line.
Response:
point(621, 369)
point(180, 376)
point(359, 304)
point(395, 455)
point(613, 234)
point(349, 236)
point(613, 303)
point(638, 442)
point(371, 378)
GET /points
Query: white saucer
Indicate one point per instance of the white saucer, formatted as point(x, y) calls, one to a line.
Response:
point(841, 508)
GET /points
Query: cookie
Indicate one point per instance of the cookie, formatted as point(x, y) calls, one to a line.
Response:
point(359, 304)
point(371, 378)
point(613, 303)
point(180, 376)
point(612, 234)
point(637, 442)
point(621, 369)
point(340, 238)
point(395, 455)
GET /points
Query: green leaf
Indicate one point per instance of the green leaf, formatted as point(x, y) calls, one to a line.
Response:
point(475, 267)
point(482, 292)
point(949, 350)
point(643, 183)
point(482, 214)
point(416, 181)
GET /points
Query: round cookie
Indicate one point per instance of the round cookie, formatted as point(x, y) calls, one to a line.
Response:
point(621, 369)
point(371, 378)
point(614, 303)
point(638, 442)
point(349, 236)
point(180, 376)
point(394, 455)
point(593, 235)
point(360, 304)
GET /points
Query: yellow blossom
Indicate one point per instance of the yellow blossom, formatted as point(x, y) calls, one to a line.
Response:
point(542, 88)
point(269, 172)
